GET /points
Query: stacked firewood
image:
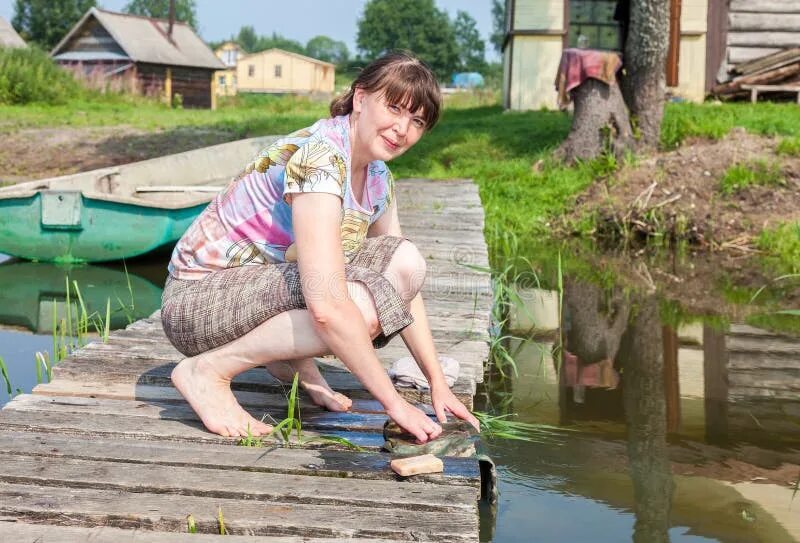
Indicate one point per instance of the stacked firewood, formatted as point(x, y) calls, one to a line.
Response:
point(778, 70)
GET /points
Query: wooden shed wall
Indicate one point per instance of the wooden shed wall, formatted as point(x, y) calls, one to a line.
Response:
point(193, 84)
point(93, 38)
point(760, 27)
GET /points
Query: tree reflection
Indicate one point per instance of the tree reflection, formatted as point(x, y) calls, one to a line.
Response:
point(641, 356)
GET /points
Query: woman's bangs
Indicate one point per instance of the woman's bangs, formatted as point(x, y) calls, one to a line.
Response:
point(404, 91)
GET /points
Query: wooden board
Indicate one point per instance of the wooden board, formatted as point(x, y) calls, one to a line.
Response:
point(109, 451)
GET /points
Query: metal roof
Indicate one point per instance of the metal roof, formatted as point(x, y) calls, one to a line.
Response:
point(9, 36)
point(145, 40)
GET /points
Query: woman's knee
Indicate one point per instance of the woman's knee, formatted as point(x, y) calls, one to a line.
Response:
point(407, 270)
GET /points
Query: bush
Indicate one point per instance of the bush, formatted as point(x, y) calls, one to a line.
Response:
point(29, 75)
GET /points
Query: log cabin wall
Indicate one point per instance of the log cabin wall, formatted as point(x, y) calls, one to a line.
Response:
point(760, 27)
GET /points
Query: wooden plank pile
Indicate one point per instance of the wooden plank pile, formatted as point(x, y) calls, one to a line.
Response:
point(776, 72)
point(109, 451)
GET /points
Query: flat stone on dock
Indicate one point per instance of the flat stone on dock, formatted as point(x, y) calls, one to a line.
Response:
point(109, 451)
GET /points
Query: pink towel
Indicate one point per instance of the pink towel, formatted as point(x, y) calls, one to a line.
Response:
point(578, 65)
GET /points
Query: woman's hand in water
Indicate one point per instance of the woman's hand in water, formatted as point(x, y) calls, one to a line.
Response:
point(414, 421)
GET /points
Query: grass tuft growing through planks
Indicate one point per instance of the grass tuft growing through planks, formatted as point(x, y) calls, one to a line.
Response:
point(292, 423)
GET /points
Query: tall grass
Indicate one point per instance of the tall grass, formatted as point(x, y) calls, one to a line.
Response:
point(29, 75)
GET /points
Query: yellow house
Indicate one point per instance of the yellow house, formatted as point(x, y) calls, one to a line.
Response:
point(537, 31)
point(278, 71)
point(229, 53)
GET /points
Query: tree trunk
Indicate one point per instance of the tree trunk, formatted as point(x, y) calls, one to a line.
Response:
point(644, 78)
point(600, 122)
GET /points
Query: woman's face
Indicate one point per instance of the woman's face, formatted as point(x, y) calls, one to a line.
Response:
point(384, 131)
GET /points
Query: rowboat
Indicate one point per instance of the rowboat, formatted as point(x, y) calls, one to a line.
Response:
point(117, 212)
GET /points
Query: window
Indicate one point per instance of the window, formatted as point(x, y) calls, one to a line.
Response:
point(278, 70)
point(221, 81)
point(595, 20)
point(251, 70)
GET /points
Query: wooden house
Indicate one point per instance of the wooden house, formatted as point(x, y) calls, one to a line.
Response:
point(166, 58)
point(707, 38)
point(229, 53)
point(278, 71)
point(9, 36)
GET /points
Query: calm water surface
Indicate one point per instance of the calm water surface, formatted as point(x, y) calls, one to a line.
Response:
point(687, 434)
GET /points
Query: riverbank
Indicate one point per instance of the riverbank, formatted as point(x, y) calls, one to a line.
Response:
point(524, 192)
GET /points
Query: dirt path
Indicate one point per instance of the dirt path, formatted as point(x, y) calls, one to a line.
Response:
point(48, 152)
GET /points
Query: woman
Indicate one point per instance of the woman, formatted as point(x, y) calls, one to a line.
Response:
point(259, 279)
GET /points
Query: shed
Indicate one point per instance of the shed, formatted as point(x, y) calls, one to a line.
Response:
point(279, 71)
point(165, 58)
point(9, 36)
point(707, 38)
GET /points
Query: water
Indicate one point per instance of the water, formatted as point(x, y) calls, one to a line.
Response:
point(687, 433)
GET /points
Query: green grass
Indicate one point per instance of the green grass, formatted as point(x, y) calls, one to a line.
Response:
point(783, 242)
point(748, 174)
point(789, 146)
point(292, 424)
point(28, 75)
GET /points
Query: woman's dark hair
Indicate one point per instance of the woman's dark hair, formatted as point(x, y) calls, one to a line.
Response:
point(403, 79)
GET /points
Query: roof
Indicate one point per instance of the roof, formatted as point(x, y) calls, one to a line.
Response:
point(145, 39)
point(9, 36)
point(296, 55)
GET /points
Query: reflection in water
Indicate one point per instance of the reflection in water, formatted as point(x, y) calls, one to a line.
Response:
point(30, 290)
point(33, 294)
point(697, 440)
point(641, 357)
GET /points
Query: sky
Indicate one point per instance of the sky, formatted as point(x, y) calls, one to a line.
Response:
point(299, 20)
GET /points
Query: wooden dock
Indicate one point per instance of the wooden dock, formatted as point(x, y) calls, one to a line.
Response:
point(109, 451)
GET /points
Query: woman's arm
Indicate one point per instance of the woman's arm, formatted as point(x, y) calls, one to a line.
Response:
point(417, 337)
point(316, 221)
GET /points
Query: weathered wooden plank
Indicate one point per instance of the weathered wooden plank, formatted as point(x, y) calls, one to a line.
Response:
point(297, 461)
point(236, 485)
point(765, 6)
point(764, 39)
point(744, 22)
point(132, 391)
point(114, 426)
point(48, 533)
point(313, 419)
point(87, 507)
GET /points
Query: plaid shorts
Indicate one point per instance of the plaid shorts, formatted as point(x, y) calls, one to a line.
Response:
point(200, 315)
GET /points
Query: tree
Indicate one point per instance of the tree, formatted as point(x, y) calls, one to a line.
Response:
point(276, 41)
point(644, 84)
point(327, 49)
point(414, 25)
point(185, 10)
point(471, 48)
point(45, 22)
point(247, 39)
point(498, 25)
point(605, 114)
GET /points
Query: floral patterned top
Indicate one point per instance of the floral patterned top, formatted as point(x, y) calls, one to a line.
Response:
point(250, 222)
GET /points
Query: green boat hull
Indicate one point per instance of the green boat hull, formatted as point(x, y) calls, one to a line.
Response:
point(101, 230)
point(33, 293)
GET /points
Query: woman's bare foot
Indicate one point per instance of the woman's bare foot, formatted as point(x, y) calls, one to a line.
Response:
point(312, 382)
point(210, 396)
